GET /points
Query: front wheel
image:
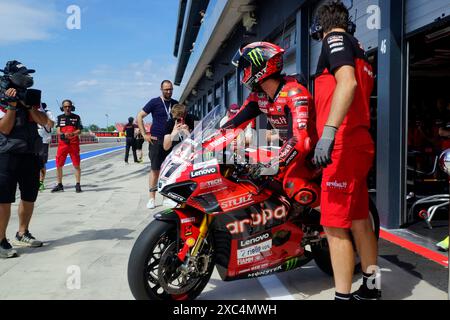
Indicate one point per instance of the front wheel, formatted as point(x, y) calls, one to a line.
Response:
point(155, 272)
point(321, 252)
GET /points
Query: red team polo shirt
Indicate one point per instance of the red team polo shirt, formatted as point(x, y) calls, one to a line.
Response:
point(340, 49)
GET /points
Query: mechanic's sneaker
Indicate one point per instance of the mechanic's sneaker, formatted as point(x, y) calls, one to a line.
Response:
point(443, 245)
point(169, 203)
point(364, 293)
point(27, 240)
point(41, 186)
point(6, 250)
point(151, 204)
point(78, 188)
point(59, 188)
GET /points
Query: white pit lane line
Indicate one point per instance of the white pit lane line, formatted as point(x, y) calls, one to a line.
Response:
point(275, 288)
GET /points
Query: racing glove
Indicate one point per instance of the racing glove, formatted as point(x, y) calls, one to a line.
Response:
point(322, 154)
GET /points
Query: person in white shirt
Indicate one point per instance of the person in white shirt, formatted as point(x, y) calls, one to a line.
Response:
point(46, 134)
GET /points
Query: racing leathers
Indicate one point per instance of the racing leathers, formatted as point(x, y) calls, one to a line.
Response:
point(291, 112)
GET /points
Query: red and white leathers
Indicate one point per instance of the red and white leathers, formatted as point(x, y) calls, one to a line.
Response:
point(291, 112)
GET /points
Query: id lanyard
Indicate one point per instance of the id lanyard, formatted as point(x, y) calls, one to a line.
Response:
point(165, 108)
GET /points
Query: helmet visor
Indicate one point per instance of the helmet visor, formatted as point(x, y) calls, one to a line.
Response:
point(239, 61)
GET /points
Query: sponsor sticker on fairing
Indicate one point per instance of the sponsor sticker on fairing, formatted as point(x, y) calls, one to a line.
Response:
point(249, 260)
point(255, 250)
point(254, 240)
point(264, 272)
point(236, 202)
point(205, 164)
point(211, 184)
point(203, 172)
point(257, 219)
point(188, 220)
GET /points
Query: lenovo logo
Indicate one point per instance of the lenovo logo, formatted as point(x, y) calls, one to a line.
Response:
point(255, 240)
point(203, 172)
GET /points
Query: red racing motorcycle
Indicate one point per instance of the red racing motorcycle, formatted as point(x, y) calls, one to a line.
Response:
point(245, 227)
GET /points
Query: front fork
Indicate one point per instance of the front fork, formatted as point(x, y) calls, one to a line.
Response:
point(191, 245)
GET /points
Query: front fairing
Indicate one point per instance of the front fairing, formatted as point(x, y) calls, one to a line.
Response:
point(190, 152)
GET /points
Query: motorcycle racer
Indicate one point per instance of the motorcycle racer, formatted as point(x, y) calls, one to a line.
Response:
point(289, 109)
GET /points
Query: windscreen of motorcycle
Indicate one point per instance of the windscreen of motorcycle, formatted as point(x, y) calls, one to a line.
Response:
point(189, 151)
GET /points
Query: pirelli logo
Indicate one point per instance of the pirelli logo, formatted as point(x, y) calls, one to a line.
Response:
point(256, 56)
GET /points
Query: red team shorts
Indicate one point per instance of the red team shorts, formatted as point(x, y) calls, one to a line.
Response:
point(345, 196)
point(63, 150)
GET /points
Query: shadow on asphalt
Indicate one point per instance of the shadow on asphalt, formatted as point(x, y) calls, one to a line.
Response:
point(82, 236)
point(306, 281)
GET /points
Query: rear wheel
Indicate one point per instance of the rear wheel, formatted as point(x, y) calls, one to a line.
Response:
point(321, 252)
point(155, 272)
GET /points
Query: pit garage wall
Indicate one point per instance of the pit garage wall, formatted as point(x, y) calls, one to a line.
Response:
point(419, 13)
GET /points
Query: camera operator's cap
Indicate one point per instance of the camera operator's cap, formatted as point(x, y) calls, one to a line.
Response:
point(15, 66)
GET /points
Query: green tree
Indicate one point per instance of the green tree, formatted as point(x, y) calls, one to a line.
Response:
point(94, 127)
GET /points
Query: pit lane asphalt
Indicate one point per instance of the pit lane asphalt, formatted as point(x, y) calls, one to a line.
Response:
point(93, 233)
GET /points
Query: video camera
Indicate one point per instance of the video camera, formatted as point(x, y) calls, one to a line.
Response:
point(18, 77)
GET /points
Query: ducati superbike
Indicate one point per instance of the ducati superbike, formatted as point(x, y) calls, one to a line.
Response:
point(245, 227)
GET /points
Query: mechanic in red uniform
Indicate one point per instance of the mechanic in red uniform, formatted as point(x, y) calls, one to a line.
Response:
point(68, 131)
point(288, 106)
point(343, 84)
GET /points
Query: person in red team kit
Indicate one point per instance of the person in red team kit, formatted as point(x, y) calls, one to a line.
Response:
point(343, 84)
point(68, 131)
point(288, 106)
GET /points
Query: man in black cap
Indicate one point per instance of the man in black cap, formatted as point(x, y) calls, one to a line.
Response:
point(19, 149)
point(129, 130)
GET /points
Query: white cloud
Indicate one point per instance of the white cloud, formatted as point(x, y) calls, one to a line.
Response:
point(22, 22)
point(119, 90)
point(86, 83)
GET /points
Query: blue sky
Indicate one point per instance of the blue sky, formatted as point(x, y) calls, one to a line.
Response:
point(113, 65)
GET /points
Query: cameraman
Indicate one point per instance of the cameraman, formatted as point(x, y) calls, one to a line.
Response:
point(69, 128)
point(19, 148)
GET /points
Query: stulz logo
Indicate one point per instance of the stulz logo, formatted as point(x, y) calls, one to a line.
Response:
point(264, 272)
point(257, 219)
point(236, 202)
point(203, 172)
point(255, 240)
